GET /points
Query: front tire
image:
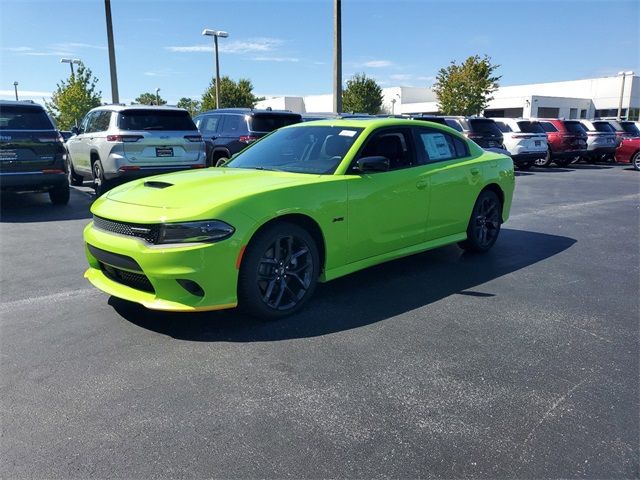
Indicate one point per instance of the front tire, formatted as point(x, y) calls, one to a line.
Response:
point(484, 224)
point(99, 182)
point(635, 161)
point(279, 271)
point(60, 195)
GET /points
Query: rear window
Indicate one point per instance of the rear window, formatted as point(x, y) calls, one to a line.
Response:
point(530, 127)
point(548, 127)
point(503, 127)
point(630, 127)
point(269, 123)
point(575, 127)
point(484, 127)
point(155, 120)
point(603, 127)
point(453, 124)
point(24, 118)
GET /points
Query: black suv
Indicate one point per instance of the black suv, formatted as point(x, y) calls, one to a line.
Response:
point(483, 131)
point(226, 131)
point(32, 155)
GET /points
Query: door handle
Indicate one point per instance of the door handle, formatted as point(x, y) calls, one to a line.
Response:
point(475, 171)
point(422, 184)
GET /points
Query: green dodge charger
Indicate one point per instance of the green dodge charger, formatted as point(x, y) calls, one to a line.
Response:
point(308, 203)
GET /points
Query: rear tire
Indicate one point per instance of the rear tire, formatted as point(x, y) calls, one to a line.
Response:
point(546, 161)
point(60, 195)
point(74, 179)
point(99, 182)
point(635, 161)
point(279, 271)
point(484, 224)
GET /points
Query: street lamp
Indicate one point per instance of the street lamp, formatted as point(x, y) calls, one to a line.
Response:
point(15, 88)
point(71, 61)
point(157, 96)
point(624, 76)
point(215, 34)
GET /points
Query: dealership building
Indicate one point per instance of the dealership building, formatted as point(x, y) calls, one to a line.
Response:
point(589, 98)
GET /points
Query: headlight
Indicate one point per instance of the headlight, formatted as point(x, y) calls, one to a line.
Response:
point(193, 232)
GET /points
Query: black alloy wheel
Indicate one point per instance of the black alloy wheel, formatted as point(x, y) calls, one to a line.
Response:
point(484, 225)
point(279, 271)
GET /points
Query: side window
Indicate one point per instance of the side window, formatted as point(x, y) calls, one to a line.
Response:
point(435, 146)
point(392, 144)
point(209, 124)
point(86, 122)
point(91, 123)
point(548, 127)
point(233, 124)
point(101, 121)
point(453, 124)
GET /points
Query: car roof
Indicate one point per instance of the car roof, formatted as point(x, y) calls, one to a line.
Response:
point(120, 107)
point(21, 103)
point(249, 111)
point(373, 122)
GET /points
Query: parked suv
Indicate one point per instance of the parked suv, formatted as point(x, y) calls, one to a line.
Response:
point(601, 140)
point(32, 156)
point(483, 131)
point(525, 140)
point(226, 131)
point(117, 142)
point(567, 141)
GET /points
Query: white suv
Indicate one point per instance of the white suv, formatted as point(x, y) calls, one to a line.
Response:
point(125, 142)
point(525, 140)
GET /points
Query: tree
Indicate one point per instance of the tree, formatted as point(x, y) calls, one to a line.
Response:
point(466, 89)
point(232, 94)
point(189, 104)
point(73, 98)
point(362, 95)
point(149, 98)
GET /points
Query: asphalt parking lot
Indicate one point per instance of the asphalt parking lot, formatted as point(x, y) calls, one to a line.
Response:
point(519, 363)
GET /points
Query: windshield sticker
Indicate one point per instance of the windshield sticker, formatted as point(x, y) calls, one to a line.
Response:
point(437, 146)
point(347, 133)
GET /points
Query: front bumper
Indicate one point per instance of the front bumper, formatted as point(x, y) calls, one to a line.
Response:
point(31, 181)
point(212, 266)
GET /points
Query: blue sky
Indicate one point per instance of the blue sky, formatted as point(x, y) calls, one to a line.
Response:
point(285, 47)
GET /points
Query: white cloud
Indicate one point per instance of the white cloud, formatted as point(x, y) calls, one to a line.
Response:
point(49, 54)
point(401, 76)
point(235, 46)
point(75, 45)
point(24, 94)
point(377, 64)
point(18, 49)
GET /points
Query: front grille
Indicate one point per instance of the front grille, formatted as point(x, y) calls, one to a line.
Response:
point(148, 232)
point(138, 281)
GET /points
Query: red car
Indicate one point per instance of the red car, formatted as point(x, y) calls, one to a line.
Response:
point(629, 152)
point(567, 141)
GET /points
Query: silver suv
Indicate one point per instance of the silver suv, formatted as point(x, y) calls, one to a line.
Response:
point(601, 140)
point(126, 142)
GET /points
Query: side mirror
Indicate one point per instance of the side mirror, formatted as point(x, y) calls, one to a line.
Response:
point(76, 130)
point(372, 164)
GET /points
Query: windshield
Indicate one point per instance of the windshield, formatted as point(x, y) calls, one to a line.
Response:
point(311, 149)
point(139, 119)
point(630, 127)
point(24, 118)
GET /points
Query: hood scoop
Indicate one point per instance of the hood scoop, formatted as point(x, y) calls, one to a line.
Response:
point(154, 184)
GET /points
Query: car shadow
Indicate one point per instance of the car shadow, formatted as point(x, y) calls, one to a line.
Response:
point(366, 297)
point(36, 207)
point(586, 166)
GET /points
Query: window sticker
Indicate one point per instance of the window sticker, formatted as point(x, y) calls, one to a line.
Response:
point(437, 146)
point(347, 133)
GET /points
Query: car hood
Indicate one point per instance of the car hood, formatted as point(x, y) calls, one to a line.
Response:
point(209, 187)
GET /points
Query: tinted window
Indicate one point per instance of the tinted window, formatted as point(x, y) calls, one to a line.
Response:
point(91, 122)
point(234, 124)
point(392, 144)
point(575, 127)
point(453, 124)
point(438, 146)
point(313, 149)
point(140, 119)
point(548, 127)
point(208, 123)
point(603, 127)
point(484, 127)
point(24, 118)
point(630, 127)
point(101, 121)
point(530, 127)
point(270, 122)
point(503, 127)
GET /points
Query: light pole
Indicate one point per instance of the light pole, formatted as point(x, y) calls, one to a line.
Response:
point(115, 98)
point(158, 96)
point(624, 75)
point(15, 88)
point(215, 34)
point(337, 56)
point(71, 61)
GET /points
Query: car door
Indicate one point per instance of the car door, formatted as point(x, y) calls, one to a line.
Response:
point(454, 179)
point(387, 210)
point(233, 127)
point(78, 145)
